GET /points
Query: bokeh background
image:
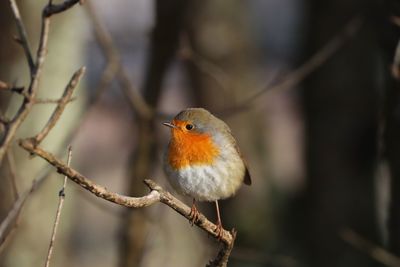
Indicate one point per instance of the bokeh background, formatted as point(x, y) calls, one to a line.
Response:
point(319, 130)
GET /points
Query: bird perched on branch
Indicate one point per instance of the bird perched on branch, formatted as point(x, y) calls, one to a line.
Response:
point(203, 160)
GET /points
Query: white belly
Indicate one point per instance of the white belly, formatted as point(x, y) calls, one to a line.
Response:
point(209, 183)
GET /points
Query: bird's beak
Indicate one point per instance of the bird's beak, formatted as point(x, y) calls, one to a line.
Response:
point(169, 125)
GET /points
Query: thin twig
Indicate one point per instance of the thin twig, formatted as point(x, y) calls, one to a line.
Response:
point(23, 39)
point(9, 222)
point(207, 67)
point(69, 90)
point(319, 58)
point(109, 51)
point(312, 64)
point(157, 194)
point(52, 101)
point(376, 252)
point(61, 195)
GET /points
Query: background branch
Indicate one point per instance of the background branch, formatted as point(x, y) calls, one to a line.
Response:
point(115, 68)
point(22, 39)
point(9, 222)
point(312, 64)
point(13, 173)
point(376, 252)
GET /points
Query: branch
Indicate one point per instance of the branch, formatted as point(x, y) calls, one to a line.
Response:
point(78, 178)
point(7, 224)
point(65, 99)
point(115, 67)
point(109, 51)
point(52, 101)
point(23, 111)
point(61, 195)
point(23, 39)
point(376, 252)
point(312, 64)
point(209, 68)
point(157, 194)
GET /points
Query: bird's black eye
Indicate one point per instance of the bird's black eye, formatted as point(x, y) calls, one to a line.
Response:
point(189, 126)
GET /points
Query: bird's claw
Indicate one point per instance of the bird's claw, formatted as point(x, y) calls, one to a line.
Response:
point(218, 230)
point(194, 215)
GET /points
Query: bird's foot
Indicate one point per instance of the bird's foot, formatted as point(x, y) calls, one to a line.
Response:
point(218, 230)
point(194, 215)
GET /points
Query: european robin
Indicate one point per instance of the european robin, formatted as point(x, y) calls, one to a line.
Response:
point(203, 160)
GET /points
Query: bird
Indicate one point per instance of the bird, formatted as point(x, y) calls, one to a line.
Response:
point(203, 160)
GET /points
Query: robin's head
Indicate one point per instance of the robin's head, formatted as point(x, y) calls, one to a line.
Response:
point(193, 138)
point(196, 121)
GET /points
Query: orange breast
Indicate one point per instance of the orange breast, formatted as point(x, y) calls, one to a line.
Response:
point(186, 149)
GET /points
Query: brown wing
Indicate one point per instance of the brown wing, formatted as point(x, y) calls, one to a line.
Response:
point(247, 178)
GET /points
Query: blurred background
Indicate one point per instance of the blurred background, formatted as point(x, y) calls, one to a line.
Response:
point(310, 89)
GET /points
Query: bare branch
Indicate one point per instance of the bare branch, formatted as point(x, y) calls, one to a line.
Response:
point(376, 252)
point(53, 101)
point(23, 39)
point(157, 194)
point(65, 99)
point(61, 195)
point(209, 68)
point(36, 72)
point(319, 58)
point(312, 64)
point(9, 222)
point(78, 178)
point(223, 255)
point(109, 51)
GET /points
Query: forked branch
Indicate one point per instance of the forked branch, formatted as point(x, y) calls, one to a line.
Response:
point(35, 66)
